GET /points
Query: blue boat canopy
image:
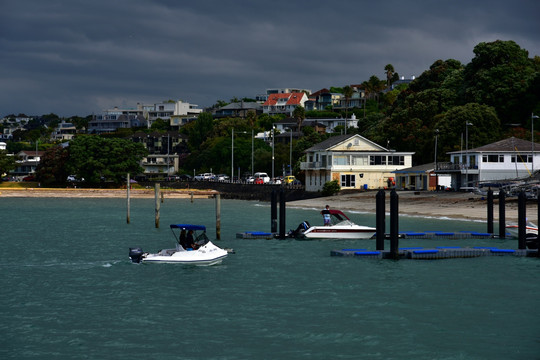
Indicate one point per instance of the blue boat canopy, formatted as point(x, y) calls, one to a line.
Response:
point(188, 227)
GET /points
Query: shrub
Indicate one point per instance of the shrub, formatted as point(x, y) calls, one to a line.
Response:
point(330, 188)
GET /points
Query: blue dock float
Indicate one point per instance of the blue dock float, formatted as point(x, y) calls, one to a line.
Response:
point(441, 252)
point(445, 235)
point(255, 235)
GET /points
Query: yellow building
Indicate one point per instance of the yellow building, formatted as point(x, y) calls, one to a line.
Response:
point(356, 162)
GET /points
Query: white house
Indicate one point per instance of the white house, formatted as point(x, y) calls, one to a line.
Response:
point(284, 103)
point(356, 162)
point(506, 159)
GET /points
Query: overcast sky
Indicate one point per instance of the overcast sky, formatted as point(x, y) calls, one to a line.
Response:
point(78, 57)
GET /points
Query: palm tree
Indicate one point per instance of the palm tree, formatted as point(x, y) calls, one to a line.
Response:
point(389, 75)
point(299, 114)
point(347, 92)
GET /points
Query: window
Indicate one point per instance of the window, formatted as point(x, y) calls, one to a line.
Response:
point(348, 180)
point(377, 160)
point(492, 158)
point(522, 158)
point(341, 160)
point(396, 160)
point(360, 160)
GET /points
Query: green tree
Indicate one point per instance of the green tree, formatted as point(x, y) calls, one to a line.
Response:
point(7, 162)
point(160, 124)
point(94, 157)
point(199, 130)
point(52, 166)
point(500, 75)
point(484, 128)
point(389, 70)
point(299, 114)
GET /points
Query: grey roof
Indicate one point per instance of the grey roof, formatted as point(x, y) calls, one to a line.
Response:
point(242, 106)
point(419, 169)
point(506, 145)
point(331, 141)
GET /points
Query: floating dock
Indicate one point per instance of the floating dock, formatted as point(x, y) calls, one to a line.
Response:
point(402, 235)
point(255, 235)
point(440, 252)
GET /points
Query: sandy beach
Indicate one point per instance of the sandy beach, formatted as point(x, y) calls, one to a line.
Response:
point(103, 193)
point(454, 205)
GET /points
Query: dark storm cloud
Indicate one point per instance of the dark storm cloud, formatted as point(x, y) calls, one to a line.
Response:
point(79, 57)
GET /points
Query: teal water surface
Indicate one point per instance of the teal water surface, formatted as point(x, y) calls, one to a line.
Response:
point(69, 290)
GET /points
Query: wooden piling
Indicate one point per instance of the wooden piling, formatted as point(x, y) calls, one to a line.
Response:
point(273, 213)
point(218, 216)
point(128, 215)
point(156, 190)
point(522, 220)
point(282, 214)
point(490, 211)
point(394, 225)
point(502, 214)
point(380, 219)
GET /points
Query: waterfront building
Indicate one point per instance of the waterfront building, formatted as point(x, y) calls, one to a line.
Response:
point(511, 158)
point(356, 162)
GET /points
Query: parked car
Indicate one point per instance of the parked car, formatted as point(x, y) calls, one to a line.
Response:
point(262, 175)
point(29, 178)
point(222, 177)
point(204, 176)
point(185, 177)
point(259, 180)
point(172, 178)
point(277, 181)
point(70, 178)
point(289, 179)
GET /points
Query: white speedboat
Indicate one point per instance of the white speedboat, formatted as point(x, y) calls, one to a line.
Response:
point(341, 227)
point(513, 229)
point(204, 253)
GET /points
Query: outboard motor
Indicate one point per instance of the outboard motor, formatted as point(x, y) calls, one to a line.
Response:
point(135, 254)
point(532, 241)
point(300, 229)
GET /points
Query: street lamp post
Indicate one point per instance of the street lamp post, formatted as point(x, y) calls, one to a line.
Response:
point(232, 155)
point(232, 152)
point(436, 179)
point(273, 142)
point(290, 155)
point(467, 124)
point(532, 141)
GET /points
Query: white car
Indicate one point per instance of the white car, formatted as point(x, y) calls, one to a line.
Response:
point(262, 175)
point(204, 176)
point(222, 177)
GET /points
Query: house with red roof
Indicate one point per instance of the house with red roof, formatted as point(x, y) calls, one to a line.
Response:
point(284, 103)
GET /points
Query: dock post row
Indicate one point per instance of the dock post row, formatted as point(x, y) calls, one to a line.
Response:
point(394, 222)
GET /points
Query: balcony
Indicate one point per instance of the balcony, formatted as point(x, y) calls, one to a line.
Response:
point(448, 167)
point(314, 165)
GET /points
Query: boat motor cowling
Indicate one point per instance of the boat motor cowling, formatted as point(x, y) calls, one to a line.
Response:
point(136, 254)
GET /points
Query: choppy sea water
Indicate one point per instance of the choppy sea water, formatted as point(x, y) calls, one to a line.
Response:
point(69, 290)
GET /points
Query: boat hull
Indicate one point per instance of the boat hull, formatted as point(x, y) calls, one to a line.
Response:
point(339, 232)
point(208, 254)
